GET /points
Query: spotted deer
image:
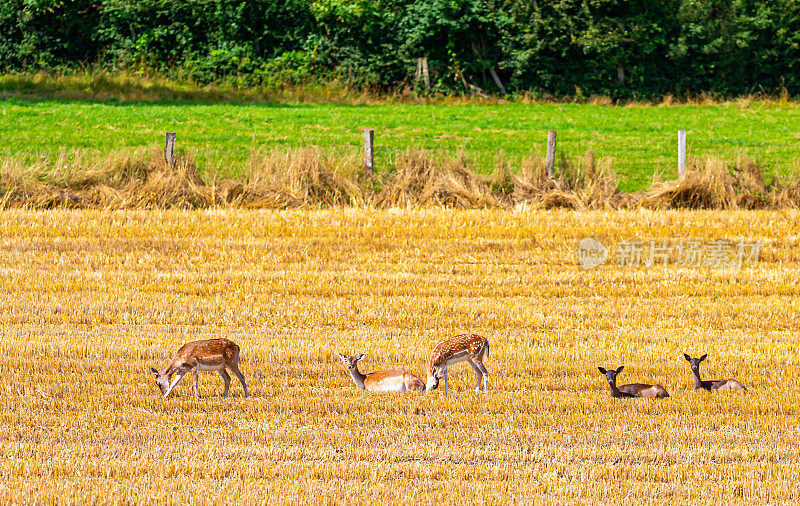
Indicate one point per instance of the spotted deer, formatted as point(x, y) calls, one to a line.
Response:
point(465, 347)
point(208, 355)
point(381, 381)
point(709, 385)
point(631, 390)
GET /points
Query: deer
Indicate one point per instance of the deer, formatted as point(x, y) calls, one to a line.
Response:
point(464, 347)
point(709, 385)
point(208, 355)
point(632, 390)
point(381, 381)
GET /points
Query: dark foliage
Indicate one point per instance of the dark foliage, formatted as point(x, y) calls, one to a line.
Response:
point(617, 48)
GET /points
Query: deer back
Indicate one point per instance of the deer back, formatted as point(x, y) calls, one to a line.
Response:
point(209, 352)
point(644, 390)
point(461, 346)
point(391, 381)
point(726, 384)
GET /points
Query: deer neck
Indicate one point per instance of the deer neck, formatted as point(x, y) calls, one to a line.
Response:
point(698, 383)
point(614, 390)
point(358, 377)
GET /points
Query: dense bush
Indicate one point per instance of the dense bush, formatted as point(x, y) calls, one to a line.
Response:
point(619, 48)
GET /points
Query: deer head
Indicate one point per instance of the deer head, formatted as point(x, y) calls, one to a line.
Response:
point(611, 376)
point(695, 362)
point(162, 380)
point(351, 362)
point(437, 373)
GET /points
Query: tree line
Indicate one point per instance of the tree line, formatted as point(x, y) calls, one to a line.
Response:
point(616, 48)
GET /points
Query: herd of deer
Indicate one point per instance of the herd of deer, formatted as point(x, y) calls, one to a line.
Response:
point(221, 354)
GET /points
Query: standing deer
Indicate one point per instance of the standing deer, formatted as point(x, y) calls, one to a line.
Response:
point(381, 381)
point(208, 355)
point(631, 390)
point(469, 347)
point(709, 385)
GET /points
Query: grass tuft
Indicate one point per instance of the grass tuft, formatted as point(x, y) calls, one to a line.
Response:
point(421, 180)
point(315, 178)
point(714, 184)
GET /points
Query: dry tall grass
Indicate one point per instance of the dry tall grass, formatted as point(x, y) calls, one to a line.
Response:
point(713, 184)
point(145, 86)
point(421, 180)
point(91, 299)
point(311, 177)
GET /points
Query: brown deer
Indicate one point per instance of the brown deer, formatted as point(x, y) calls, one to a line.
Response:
point(709, 385)
point(381, 381)
point(631, 390)
point(465, 347)
point(208, 355)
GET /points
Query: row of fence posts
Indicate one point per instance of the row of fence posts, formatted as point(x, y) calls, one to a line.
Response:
point(369, 152)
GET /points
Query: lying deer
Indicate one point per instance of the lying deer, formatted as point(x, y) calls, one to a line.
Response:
point(381, 381)
point(632, 389)
point(465, 347)
point(209, 355)
point(709, 385)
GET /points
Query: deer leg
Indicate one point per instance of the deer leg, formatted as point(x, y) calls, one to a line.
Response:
point(446, 386)
point(478, 372)
point(485, 375)
point(195, 377)
point(178, 377)
point(236, 372)
point(227, 379)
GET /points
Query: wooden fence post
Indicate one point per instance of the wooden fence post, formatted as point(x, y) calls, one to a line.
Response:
point(551, 152)
point(169, 150)
point(369, 152)
point(681, 153)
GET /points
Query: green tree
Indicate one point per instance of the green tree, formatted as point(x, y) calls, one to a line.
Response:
point(462, 39)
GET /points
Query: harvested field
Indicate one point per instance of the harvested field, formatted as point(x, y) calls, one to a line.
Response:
point(91, 299)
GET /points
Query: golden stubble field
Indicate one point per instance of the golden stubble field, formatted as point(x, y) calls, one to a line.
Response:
point(91, 299)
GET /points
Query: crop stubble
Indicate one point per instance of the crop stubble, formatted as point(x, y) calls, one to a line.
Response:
point(91, 299)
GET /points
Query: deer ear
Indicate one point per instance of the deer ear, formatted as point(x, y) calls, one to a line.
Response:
point(360, 357)
point(687, 357)
point(703, 357)
point(154, 371)
point(341, 356)
point(620, 368)
point(602, 371)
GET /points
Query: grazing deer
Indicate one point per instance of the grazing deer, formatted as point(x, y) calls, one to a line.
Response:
point(709, 385)
point(469, 347)
point(208, 355)
point(381, 381)
point(632, 389)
